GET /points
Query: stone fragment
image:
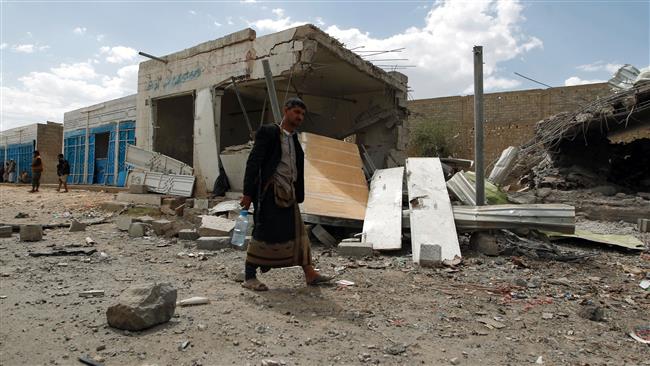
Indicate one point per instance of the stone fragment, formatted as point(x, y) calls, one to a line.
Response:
point(187, 234)
point(485, 243)
point(643, 225)
point(76, 226)
point(592, 312)
point(201, 203)
point(193, 215)
point(145, 219)
point(160, 227)
point(143, 306)
point(355, 250)
point(215, 226)
point(138, 188)
point(124, 222)
point(31, 232)
point(430, 255)
point(113, 206)
point(213, 242)
point(5, 231)
point(137, 230)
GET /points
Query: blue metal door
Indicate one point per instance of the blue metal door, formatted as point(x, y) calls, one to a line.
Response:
point(100, 171)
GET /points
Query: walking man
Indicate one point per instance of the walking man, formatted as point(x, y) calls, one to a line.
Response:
point(275, 181)
point(11, 171)
point(63, 170)
point(37, 169)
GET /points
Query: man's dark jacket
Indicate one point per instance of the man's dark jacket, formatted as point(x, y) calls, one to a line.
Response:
point(273, 224)
point(62, 168)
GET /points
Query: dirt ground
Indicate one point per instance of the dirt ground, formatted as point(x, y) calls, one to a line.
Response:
point(395, 314)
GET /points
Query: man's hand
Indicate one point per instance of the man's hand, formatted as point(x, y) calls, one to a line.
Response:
point(245, 202)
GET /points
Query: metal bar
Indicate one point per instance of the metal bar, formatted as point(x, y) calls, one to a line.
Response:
point(152, 57)
point(116, 152)
point(478, 125)
point(270, 86)
point(243, 109)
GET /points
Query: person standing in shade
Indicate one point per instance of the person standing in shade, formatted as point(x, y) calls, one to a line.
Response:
point(62, 170)
point(37, 170)
point(274, 180)
point(11, 171)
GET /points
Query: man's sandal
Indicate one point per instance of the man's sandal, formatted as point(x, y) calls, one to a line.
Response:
point(254, 285)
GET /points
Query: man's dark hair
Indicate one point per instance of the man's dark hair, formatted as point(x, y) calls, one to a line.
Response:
point(36, 153)
point(295, 102)
point(60, 156)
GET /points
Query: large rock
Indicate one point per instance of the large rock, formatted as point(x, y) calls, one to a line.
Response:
point(5, 231)
point(31, 232)
point(77, 226)
point(137, 230)
point(160, 227)
point(142, 306)
point(123, 222)
point(213, 242)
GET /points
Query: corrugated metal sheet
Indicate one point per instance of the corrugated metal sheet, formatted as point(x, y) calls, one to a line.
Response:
point(155, 162)
point(556, 217)
point(504, 165)
point(462, 189)
point(178, 185)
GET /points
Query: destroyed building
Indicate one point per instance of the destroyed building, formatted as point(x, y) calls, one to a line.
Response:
point(510, 117)
point(95, 140)
point(187, 108)
point(604, 144)
point(18, 144)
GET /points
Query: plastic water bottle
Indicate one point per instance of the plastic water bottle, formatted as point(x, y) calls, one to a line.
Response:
point(241, 228)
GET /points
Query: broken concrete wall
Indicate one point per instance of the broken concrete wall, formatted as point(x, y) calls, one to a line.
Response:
point(19, 144)
point(337, 85)
point(49, 142)
point(510, 116)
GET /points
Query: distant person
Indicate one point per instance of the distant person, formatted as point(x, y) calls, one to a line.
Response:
point(3, 175)
point(62, 170)
point(37, 169)
point(24, 177)
point(11, 171)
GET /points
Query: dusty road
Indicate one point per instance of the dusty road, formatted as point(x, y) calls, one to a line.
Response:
point(396, 313)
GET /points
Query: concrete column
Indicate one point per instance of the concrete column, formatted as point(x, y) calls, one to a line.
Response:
point(87, 145)
point(116, 152)
point(206, 167)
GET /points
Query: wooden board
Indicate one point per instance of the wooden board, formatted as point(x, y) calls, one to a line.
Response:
point(382, 226)
point(432, 219)
point(335, 185)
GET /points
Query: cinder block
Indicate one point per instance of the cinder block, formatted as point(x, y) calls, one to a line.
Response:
point(31, 232)
point(201, 203)
point(138, 188)
point(123, 223)
point(77, 226)
point(160, 227)
point(213, 242)
point(643, 225)
point(430, 255)
point(355, 250)
point(137, 230)
point(5, 231)
point(188, 234)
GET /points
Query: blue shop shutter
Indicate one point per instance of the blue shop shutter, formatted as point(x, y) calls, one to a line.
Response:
point(91, 158)
point(108, 177)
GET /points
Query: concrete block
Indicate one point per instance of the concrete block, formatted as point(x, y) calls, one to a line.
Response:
point(644, 225)
point(213, 242)
point(77, 226)
point(188, 234)
point(485, 243)
point(430, 255)
point(113, 206)
point(201, 203)
point(160, 227)
point(323, 236)
point(137, 230)
point(215, 226)
point(355, 250)
point(193, 215)
point(145, 219)
point(123, 223)
point(140, 199)
point(5, 231)
point(138, 189)
point(31, 232)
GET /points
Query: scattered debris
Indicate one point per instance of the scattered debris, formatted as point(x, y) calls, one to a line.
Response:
point(491, 323)
point(76, 226)
point(90, 241)
point(323, 236)
point(196, 300)
point(622, 241)
point(89, 361)
point(344, 283)
point(183, 345)
point(62, 252)
point(641, 334)
point(92, 293)
point(21, 215)
point(592, 312)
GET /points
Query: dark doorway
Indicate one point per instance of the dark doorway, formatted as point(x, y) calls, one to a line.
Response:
point(101, 157)
point(174, 127)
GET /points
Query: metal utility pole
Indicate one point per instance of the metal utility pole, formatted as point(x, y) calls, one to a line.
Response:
point(478, 125)
point(243, 109)
point(270, 86)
